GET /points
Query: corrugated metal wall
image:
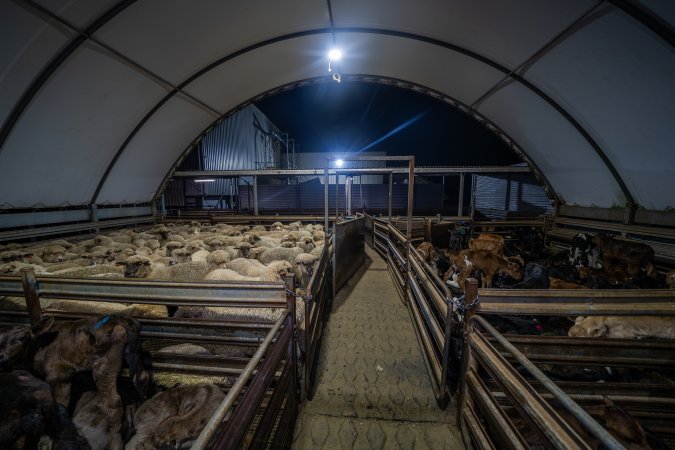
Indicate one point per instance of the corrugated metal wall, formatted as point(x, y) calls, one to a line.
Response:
point(514, 195)
point(318, 161)
point(309, 198)
point(246, 140)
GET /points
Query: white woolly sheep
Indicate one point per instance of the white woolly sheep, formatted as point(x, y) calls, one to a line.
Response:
point(279, 254)
point(200, 255)
point(228, 275)
point(14, 267)
point(247, 267)
point(303, 267)
point(89, 271)
point(188, 271)
point(181, 255)
point(194, 246)
point(306, 244)
point(218, 259)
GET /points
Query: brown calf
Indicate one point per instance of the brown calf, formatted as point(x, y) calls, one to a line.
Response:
point(634, 254)
point(174, 416)
point(488, 242)
point(624, 327)
point(96, 344)
point(488, 263)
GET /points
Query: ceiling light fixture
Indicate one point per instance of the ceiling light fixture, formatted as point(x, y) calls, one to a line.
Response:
point(339, 162)
point(205, 180)
point(334, 55)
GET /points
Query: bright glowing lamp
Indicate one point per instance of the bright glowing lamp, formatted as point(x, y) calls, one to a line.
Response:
point(335, 54)
point(339, 163)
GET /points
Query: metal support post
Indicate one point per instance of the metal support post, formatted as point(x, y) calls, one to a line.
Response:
point(255, 195)
point(411, 187)
point(337, 195)
point(30, 290)
point(93, 213)
point(391, 192)
point(325, 201)
point(460, 202)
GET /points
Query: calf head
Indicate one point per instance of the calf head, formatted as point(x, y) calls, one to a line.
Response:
point(670, 279)
point(579, 249)
point(511, 269)
point(16, 342)
point(591, 326)
point(621, 424)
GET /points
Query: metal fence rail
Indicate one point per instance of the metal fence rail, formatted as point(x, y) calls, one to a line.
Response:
point(503, 391)
point(267, 383)
point(317, 309)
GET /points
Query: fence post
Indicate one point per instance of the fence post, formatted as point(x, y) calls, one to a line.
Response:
point(30, 290)
point(470, 294)
point(292, 350)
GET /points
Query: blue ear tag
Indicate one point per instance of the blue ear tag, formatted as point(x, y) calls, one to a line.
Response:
point(101, 322)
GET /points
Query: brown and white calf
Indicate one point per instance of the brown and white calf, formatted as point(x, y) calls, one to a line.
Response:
point(485, 261)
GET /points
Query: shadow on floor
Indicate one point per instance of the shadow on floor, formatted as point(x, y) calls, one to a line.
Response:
point(347, 289)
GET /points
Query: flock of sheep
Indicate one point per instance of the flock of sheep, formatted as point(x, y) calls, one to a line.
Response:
point(178, 252)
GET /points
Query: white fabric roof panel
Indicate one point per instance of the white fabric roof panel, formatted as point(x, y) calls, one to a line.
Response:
point(663, 8)
point(25, 48)
point(62, 144)
point(458, 76)
point(570, 164)
point(295, 59)
point(618, 79)
point(614, 76)
point(150, 155)
point(80, 13)
point(175, 38)
point(260, 70)
point(507, 32)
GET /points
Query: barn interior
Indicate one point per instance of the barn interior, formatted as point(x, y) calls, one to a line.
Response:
point(502, 279)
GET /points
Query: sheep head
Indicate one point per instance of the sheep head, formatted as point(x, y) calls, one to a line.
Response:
point(244, 249)
point(173, 245)
point(137, 267)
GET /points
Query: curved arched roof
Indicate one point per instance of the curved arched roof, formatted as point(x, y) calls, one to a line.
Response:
point(99, 99)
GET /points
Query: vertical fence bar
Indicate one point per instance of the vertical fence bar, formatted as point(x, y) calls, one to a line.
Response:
point(460, 201)
point(408, 237)
point(325, 201)
point(292, 351)
point(391, 192)
point(30, 290)
point(470, 294)
point(255, 195)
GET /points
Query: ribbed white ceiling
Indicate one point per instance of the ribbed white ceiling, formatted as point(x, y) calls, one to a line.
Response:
point(99, 99)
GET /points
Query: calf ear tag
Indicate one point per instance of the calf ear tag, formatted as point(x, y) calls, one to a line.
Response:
point(101, 322)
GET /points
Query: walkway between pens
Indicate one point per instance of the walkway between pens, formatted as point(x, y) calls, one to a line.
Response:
point(373, 390)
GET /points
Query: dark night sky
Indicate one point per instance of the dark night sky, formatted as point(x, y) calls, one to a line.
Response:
point(347, 117)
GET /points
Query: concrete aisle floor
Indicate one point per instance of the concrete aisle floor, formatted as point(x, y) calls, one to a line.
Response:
point(373, 390)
